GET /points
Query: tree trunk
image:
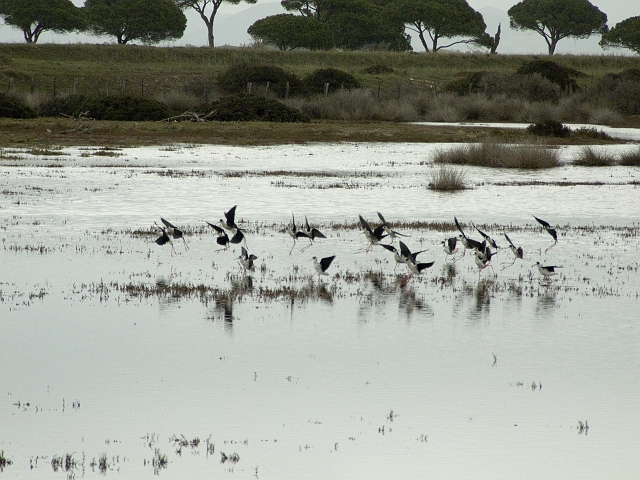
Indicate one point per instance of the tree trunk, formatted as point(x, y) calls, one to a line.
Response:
point(424, 42)
point(210, 33)
point(552, 46)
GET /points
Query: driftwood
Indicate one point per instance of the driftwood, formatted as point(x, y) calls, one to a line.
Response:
point(191, 117)
point(84, 123)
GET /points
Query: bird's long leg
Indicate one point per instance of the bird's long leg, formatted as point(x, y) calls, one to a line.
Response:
point(186, 247)
point(511, 264)
point(550, 247)
point(305, 248)
point(292, 247)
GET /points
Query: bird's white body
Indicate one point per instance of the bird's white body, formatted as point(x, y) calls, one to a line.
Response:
point(547, 271)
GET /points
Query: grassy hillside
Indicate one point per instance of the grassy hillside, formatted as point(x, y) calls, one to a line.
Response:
point(92, 69)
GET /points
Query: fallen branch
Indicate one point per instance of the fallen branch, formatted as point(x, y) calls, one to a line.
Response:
point(190, 116)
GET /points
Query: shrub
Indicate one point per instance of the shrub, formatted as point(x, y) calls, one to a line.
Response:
point(534, 87)
point(448, 179)
point(630, 159)
point(562, 76)
point(378, 70)
point(236, 79)
point(116, 107)
point(13, 108)
point(590, 158)
point(549, 128)
point(247, 107)
point(337, 79)
point(73, 105)
point(618, 90)
point(496, 155)
point(129, 108)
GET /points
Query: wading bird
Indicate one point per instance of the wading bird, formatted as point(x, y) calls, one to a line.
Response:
point(396, 255)
point(164, 238)
point(223, 238)
point(518, 253)
point(322, 266)
point(374, 236)
point(387, 229)
point(246, 260)
point(310, 233)
point(229, 223)
point(483, 260)
point(449, 246)
point(550, 231)
point(292, 230)
point(490, 241)
point(174, 232)
point(547, 271)
point(468, 243)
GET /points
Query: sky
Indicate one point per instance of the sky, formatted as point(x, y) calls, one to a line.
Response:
point(232, 21)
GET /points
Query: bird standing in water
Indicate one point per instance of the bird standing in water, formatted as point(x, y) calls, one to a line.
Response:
point(175, 232)
point(246, 260)
point(547, 271)
point(322, 266)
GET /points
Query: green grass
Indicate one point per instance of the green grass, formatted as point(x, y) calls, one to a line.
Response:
point(89, 68)
point(448, 179)
point(499, 155)
point(590, 158)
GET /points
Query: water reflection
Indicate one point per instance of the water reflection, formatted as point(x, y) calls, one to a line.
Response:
point(546, 303)
point(223, 303)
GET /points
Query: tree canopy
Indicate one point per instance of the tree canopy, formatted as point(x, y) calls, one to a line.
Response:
point(150, 21)
point(36, 16)
point(625, 34)
point(208, 16)
point(558, 19)
point(441, 19)
point(287, 32)
point(348, 24)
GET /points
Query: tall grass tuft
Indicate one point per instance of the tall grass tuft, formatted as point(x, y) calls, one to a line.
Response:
point(588, 157)
point(497, 155)
point(630, 159)
point(448, 179)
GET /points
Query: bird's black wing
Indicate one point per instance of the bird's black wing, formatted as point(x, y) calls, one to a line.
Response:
point(231, 216)
point(364, 224)
point(384, 222)
point(484, 235)
point(542, 222)
point(325, 262)
point(379, 232)
point(244, 253)
point(162, 239)
point(459, 227)
point(391, 248)
point(315, 233)
point(553, 233)
point(237, 237)
point(177, 233)
point(451, 242)
point(509, 240)
point(167, 223)
point(215, 227)
point(424, 266)
point(404, 250)
point(222, 240)
point(302, 235)
point(293, 222)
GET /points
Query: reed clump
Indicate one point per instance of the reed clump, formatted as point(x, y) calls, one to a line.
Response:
point(448, 179)
point(589, 157)
point(498, 155)
point(630, 159)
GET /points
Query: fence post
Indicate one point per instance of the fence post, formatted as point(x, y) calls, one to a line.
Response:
point(326, 89)
point(378, 91)
point(249, 85)
point(10, 83)
point(286, 92)
point(164, 91)
point(54, 87)
point(33, 87)
point(107, 88)
point(266, 90)
point(142, 87)
point(75, 86)
point(122, 86)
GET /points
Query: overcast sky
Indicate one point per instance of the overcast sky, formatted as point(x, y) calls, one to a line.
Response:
point(231, 25)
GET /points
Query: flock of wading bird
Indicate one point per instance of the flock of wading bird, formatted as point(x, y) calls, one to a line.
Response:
point(483, 251)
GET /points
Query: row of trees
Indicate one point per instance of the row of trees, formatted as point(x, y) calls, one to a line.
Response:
point(325, 24)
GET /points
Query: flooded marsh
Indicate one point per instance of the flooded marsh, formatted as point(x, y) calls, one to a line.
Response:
point(125, 358)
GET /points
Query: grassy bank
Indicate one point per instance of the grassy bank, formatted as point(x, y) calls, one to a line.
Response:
point(92, 69)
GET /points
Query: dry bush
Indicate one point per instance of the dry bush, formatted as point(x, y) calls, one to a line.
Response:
point(358, 104)
point(630, 159)
point(588, 157)
point(448, 179)
point(498, 155)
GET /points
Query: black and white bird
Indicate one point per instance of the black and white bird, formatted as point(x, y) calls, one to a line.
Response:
point(292, 230)
point(374, 236)
point(310, 233)
point(403, 256)
point(449, 246)
point(467, 243)
point(392, 234)
point(322, 266)
point(551, 231)
point(246, 260)
point(415, 267)
point(547, 271)
point(483, 260)
point(397, 256)
point(164, 239)
point(490, 241)
point(229, 221)
point(175, 232)
point(518, 253)
point(223, 239)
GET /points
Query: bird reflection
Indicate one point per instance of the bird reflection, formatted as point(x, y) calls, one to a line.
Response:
point(546, 303)
point(225, 300)
point(410, 302)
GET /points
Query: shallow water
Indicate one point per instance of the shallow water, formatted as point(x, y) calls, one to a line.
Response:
point(113, 347)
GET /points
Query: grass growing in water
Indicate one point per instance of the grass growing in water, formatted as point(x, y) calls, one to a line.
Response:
point(498, 155)
point(630, 159)
point(448, 179)
point(4, 461)
point(590, 158)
